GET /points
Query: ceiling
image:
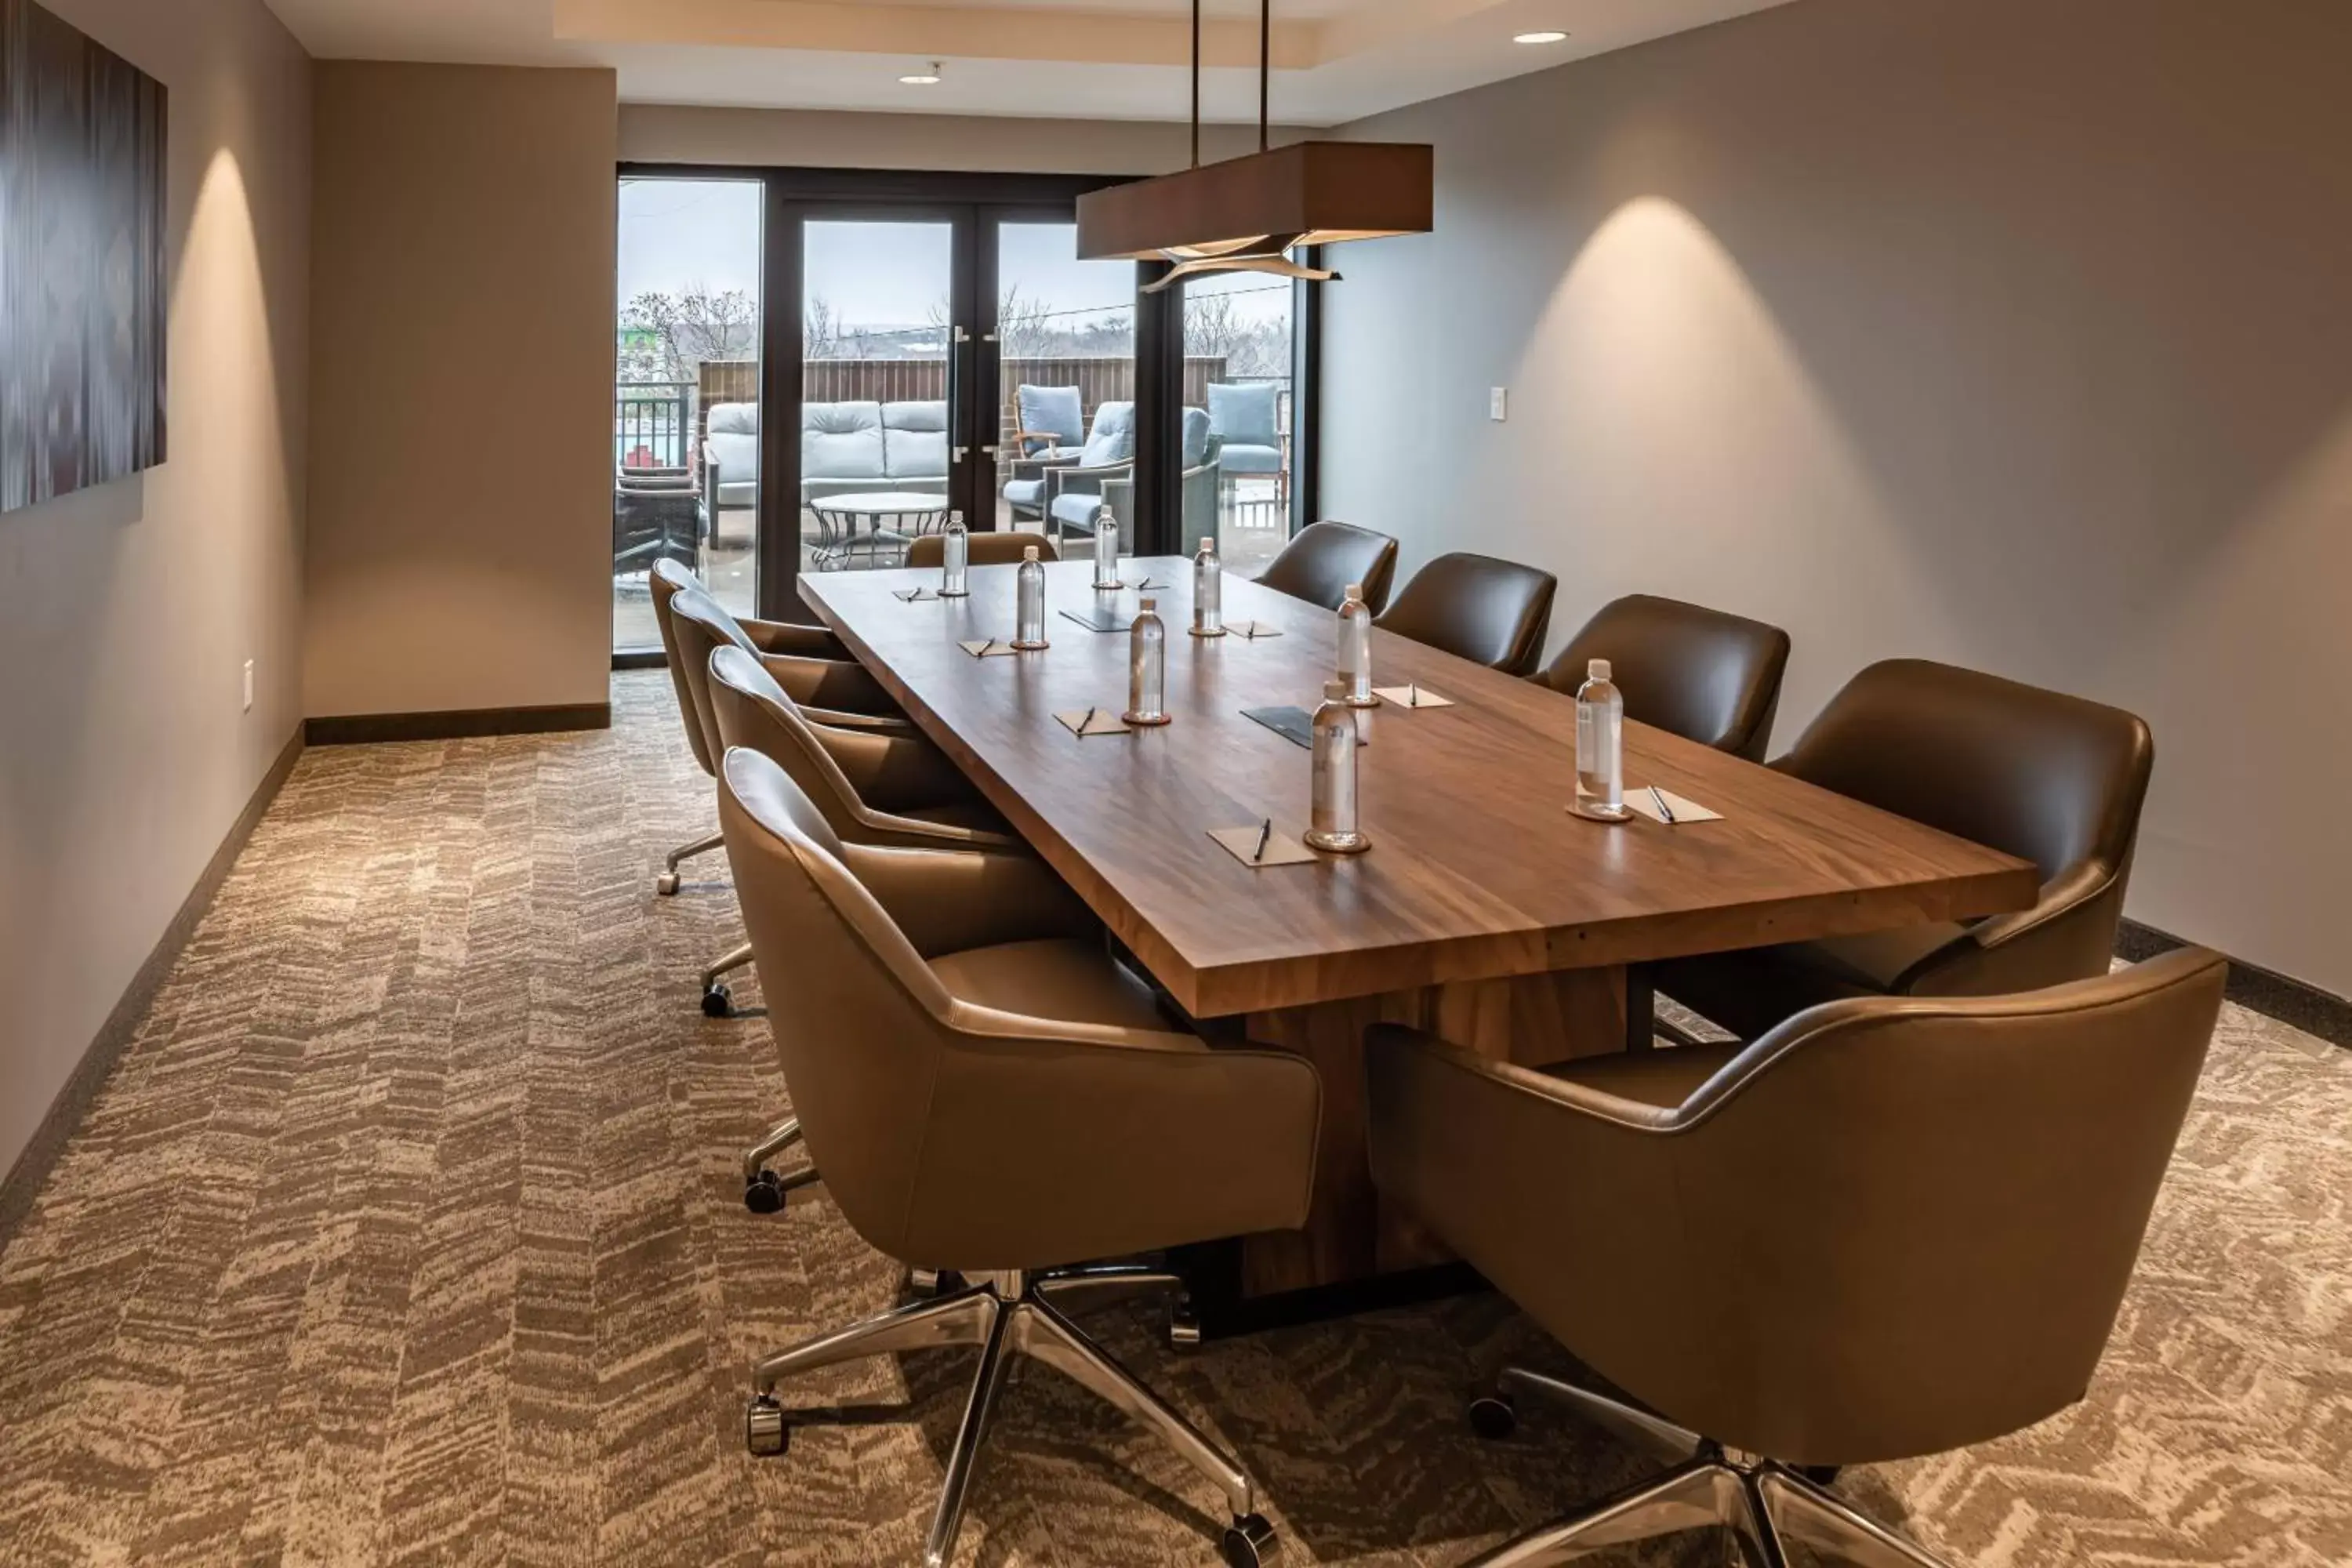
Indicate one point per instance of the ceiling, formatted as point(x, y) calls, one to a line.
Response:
point(1335, 61)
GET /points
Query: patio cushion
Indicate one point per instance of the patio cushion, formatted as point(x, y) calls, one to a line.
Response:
point(1249, 459)
point(841, 441)
point(1052, 408)
point(1079, 510)
point(1023, 492)
point(1112, 439)
point(733, 436)
point(1243, 415)
point(915, 440)
point(1196, 436)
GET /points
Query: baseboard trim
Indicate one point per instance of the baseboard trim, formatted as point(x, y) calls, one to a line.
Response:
point(33, 1166)
point(462, 724)
point(2291, 1002)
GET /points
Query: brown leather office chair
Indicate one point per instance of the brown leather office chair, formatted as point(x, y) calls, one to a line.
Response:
point(988, 1093)
point(1495, 613)
point(837, 693)
point(873, 786)
point(1699, 673)
point(666, 579)
point(2051, 778)
point(1323, 559)
point(1890, 1227)
point(991, 549)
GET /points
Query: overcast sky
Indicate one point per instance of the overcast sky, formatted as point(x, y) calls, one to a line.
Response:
point(682, 233)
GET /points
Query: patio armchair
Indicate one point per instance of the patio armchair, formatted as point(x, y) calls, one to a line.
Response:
point(1049, 433)
point(1248, 419)
point(1073, 493)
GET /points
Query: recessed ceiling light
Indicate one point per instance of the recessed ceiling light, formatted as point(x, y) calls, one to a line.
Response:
point(1543, 37)
point(927, 77)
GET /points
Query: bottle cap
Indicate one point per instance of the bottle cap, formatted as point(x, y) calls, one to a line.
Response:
point(1597, 670)
point(1028, 552)
point(1148, 603)
point(1355, 589)
point(955, 520)
point(1335, 691)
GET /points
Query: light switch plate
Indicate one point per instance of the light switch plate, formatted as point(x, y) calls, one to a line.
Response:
point(1498, 404)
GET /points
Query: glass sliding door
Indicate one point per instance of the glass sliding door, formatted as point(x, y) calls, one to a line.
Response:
point(1239, 353)
point(882, 341)
point(686, 397)
point(1063, 404)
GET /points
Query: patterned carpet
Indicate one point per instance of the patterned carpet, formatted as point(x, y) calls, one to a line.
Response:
point(408, 1231)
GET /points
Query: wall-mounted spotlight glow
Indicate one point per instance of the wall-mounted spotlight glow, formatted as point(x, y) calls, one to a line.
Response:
point(927, 77)
point(1543, 37)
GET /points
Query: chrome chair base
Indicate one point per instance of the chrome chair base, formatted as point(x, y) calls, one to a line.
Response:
point(1008, 1315)
point(1764, 1502)
point(666, 883)
point(763, 1189)
point(716, 1003)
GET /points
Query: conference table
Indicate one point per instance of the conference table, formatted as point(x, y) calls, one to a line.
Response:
point(1484, 911)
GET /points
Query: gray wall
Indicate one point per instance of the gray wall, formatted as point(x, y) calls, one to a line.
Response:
point(127, 612)
point(1998, 331)
point(462, 389)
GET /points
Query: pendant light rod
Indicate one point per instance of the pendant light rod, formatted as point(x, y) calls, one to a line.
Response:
point(1264, 63)
point(1196, 83)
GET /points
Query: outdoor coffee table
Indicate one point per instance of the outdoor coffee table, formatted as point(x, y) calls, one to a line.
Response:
point(908, 513)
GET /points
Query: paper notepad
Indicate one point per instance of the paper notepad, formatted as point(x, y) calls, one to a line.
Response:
point(1411, 697)
point(1250, 631)
point(1685, 811)
point(1104, 721)
point(1281, 849)
point(1100, 620)
point(914, 596)
point(987, 648)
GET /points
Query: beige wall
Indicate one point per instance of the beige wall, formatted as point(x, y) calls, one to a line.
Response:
point(461, 390)
point(127, 612)
point(821, 139)
point(1995, 331)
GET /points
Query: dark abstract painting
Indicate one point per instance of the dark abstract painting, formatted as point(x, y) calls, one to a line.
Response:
point(83, 288)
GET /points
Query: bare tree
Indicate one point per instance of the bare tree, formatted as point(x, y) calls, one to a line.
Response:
point(695, 326)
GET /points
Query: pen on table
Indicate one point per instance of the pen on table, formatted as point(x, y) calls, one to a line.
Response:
point(1411, 696)
point(1087, 722)
point(1265, 832)
point(1665, 810)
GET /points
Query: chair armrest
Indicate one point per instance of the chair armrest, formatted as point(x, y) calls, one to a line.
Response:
point(790, 637)
point(895, 773)
point(840, 685)
point(2068, 934)
point(1035, 1099)
point(2060, 896)
point(863, 723)
point(950, 901)
point(1036, 468)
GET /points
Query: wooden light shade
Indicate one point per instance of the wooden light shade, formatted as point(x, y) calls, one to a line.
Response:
point(1322, 192)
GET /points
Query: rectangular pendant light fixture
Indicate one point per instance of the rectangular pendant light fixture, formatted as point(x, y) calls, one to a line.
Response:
point(1323, 193)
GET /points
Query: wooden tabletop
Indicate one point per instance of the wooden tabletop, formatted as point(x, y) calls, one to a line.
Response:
point(1477, 871)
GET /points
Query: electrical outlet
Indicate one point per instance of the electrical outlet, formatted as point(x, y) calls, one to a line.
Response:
point(1498, 404)
point(248, 686)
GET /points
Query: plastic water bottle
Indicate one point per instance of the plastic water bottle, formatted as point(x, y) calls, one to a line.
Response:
point(1208, 592)
point(1331, 814)
point(1599, 744)
point(1029, 599)
point(1106, 551)
point(955, 556)
point(1147, 667)
point(1356, 650)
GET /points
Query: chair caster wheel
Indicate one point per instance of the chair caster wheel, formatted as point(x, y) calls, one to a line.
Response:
point(1248, 1542)
point(1492, 1417)
point(923, 1282)
point(1183, 1326)
point(764, 1193)
point(764, 1432)
point(667, 884)
point(717, 1004)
